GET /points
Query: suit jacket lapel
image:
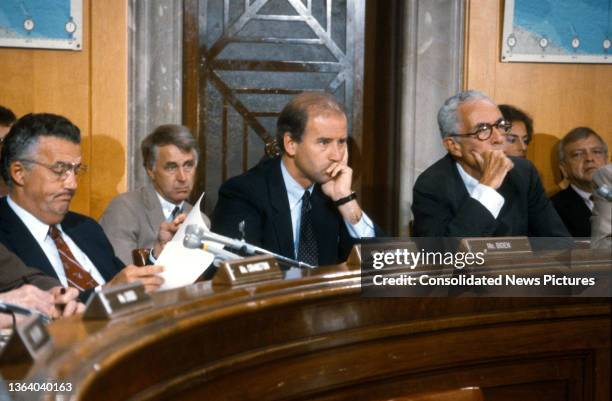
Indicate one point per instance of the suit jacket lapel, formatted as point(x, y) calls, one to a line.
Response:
point(23, 242)
point(281, 217)
point(152, 208)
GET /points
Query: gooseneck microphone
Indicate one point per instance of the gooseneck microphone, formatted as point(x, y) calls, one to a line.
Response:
point(6, 307)
point(605, 192)
point(195, 236)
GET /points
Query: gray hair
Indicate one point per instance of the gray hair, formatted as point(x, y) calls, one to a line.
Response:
point(574, 135)
point(448, 118)
point(168, 134)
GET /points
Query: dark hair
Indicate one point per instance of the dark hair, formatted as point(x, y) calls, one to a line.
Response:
point(7, 117)
point(24, 135)
point(168, 134)
point(512, 114)
point(295, 114)
point(574, 135)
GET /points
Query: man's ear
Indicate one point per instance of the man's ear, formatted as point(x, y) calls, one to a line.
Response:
point(563, 171)
point(149, 172)
point(453, 147)
point(290, 144)
point(18, 171)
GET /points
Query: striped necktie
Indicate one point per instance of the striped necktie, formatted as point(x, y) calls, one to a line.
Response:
point(175, 212)
point(75, 274)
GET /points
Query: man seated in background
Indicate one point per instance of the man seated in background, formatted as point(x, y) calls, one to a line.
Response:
point(581, 153)
point(132, 220)
point(476, 190)
point(300, 205)
point(41, 159)
point(601, 221)
point(7, 118)
point(520, 136)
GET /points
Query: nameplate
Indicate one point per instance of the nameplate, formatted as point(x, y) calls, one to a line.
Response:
point(247, 270)
point(30, 341)
point(116, 301)
point(495, 245)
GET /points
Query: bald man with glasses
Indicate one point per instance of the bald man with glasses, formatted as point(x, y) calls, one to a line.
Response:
point(40, 162)
point(476, 190)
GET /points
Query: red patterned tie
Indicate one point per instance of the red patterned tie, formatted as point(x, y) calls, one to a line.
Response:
point(76, 275)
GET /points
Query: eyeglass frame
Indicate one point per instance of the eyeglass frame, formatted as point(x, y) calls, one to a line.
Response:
point(77, 168)
point(483, 127)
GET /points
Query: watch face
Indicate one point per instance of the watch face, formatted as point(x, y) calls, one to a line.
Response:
point(70, 27)
point(511, 41)
point(28, 24)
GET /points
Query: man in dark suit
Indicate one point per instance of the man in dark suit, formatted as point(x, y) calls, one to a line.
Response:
point(476, 190)
point(41, 159)
point(581, 153)
point(299, 205)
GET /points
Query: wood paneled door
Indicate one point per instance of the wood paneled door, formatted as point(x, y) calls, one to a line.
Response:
point(244, 60)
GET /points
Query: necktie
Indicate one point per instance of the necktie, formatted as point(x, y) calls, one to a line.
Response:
point(307, 251)
point(175, 212)
point(76, 275)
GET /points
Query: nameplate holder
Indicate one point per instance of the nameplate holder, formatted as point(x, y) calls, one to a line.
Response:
point(495, 245)
point(29, 342)
point(117, 301)
point(247, 270)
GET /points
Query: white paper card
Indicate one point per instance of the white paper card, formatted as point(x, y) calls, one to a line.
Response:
point(182, 266)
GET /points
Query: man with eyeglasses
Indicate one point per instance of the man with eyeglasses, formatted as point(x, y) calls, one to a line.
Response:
point(41, 159)
point(476, 190)
point(136, 219)
point(581, 152)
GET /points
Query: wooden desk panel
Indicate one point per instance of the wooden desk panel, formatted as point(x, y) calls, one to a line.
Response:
point(317, 338)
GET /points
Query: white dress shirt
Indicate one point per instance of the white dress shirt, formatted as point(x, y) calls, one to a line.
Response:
point(167, 207)
point(40, 232)
point(363, 229)
point(487, 196)
point(586, 196)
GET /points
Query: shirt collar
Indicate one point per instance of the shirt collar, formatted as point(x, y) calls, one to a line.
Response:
point(470, 182)
point(38, 229)
point(295, 191)
point(167, 207)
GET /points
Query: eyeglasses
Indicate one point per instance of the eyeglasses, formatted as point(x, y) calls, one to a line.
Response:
point(581, 154)
point(484, 130)
point(61, 169)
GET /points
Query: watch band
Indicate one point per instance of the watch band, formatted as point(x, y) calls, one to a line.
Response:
point(346, 199)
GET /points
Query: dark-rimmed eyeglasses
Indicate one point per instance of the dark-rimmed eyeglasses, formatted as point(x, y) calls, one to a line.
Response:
point(61, 169)
point(484, 131)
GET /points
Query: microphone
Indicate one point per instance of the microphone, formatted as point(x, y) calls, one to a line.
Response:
point(605, 192)
point(6, 307)
point(196, 233)
point(194, 241)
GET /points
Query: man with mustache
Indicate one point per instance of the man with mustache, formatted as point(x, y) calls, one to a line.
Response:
point(476, 190)
point(581, 153)
point(132, 220)
point(41, 159)
point(300, 205)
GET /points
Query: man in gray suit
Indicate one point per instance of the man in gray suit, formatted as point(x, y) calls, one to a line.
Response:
point(136, 219)
point(601, 220)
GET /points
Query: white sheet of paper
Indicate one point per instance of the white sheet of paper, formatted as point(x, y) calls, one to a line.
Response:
point(182, 266)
